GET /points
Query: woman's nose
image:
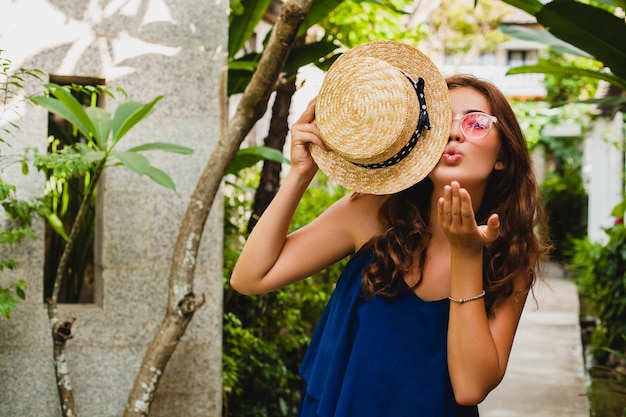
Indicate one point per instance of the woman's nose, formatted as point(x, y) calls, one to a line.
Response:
point(455, 131)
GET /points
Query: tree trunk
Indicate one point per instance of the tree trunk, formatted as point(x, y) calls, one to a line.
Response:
point(279, 127)
point(182, 303)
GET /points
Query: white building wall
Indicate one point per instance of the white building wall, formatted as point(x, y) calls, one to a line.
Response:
point(604, 173)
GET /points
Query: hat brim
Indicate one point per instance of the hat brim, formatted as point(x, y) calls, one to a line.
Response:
point(429, 148)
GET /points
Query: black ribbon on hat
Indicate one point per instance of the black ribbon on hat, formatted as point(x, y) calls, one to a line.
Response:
point(422, 123)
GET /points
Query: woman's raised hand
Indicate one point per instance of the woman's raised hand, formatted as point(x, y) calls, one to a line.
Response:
point(303, 132)
point(456, 217)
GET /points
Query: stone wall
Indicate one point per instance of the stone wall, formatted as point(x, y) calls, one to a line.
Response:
point(173, 48)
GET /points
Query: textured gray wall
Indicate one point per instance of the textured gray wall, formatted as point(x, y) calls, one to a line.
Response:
point(173, 48)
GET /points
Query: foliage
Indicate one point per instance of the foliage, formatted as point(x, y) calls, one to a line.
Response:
point(560, 89)
point(466, 30)
point(265, 336)
point(8, 302)
point(12, 85)
point(86, 159)
point(600, 270)
point(566, 202)
point(244, 18)
point(248, 157)
point(613, 379)
point(102, 132)
point(592, 27)
point(356, 22)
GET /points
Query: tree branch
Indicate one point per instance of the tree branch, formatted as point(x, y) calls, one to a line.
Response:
point(251, 107)
point(61, 331)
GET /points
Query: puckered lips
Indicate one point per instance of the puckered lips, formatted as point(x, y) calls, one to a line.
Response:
point(451, 155)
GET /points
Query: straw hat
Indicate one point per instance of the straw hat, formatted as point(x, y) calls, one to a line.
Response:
point(372, 116)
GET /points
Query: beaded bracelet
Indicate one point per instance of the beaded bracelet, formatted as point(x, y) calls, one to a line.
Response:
point(465, 300)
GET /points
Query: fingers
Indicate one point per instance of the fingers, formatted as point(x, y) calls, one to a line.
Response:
point(456, 217)
point(493, 228)
point(305, 130)
point(455, 207)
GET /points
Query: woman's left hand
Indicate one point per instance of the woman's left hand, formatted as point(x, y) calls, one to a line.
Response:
point(456, 217)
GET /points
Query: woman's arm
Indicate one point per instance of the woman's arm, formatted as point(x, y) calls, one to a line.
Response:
point(272, 259)
point(478, 346)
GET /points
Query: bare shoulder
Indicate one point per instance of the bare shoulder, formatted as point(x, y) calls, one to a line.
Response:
point(359, 213)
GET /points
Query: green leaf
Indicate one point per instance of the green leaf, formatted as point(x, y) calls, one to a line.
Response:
point(307, 54)
point(7, 303)
point(604, 101)
point(101, 120)
point(128, 115)
point(92, 156)
point(162, 146)
point(242, 25)
point(553, 69)
point(544, 37)
point(160, 177)
point(134, 161)
point(319, 10)
point(60, 109)
point(248, 157)
point(57, 226)
point(247, 63)
point(589, 28)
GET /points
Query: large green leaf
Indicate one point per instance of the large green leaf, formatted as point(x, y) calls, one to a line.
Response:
point(554, 69)
point(307, 54)
point(162, 146)
point(57, 107)
point(240, 72)
point(248, 157)
point(134, 161)
point(544, 37)
point(101, 120)
point(160, 177)
point(128, 115)
point(242, 25)
point(605, 101)
point(589, 28)
point(65, 96)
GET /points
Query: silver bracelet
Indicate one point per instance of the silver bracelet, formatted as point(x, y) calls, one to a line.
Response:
point(465, 300)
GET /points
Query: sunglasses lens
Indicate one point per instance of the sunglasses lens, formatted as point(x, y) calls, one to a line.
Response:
point(476, 125)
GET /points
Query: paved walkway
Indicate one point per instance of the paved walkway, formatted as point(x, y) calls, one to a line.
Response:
point(545, 376)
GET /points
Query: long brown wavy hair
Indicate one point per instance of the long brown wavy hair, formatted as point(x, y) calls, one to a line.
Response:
point(512, 193)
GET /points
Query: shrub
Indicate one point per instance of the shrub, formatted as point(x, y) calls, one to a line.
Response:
point(566, 202)
point(600, 272)
point(265, 336)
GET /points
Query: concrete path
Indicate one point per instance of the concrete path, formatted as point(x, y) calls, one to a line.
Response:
point(545, 376)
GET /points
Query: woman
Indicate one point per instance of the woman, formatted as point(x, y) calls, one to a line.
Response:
point(423, 318)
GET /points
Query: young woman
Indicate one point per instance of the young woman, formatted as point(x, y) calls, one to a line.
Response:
point(422, 320)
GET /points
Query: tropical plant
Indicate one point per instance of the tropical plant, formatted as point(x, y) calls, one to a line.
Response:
point(580, 29)
point(101, 133)
point(12, 84)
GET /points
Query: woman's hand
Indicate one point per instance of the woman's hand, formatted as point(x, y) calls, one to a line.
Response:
point(303, 132)
point(456, 217)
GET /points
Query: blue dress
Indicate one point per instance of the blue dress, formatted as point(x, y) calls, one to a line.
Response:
point(378, 357)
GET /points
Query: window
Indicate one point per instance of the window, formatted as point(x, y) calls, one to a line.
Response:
point(77, 285)
point(521, 57)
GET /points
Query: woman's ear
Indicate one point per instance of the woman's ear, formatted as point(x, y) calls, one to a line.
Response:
point(499, 166)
